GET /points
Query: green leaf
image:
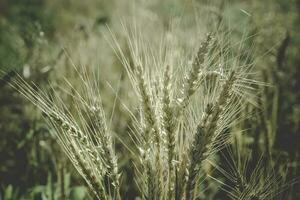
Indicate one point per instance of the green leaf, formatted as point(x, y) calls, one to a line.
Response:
point(78, 193)
point(8, 193)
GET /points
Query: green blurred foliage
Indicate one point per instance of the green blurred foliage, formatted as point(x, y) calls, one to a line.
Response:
point(21, 22)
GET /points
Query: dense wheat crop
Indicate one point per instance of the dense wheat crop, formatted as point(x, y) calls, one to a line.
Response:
point(148, 106)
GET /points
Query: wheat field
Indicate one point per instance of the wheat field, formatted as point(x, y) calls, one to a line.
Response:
point(154, 100)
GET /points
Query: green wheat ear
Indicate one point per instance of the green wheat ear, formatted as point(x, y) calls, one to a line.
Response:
point(205, 134)
point(81, 133)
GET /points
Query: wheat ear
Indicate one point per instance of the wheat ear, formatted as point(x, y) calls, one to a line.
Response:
point(99, 126)
point(169, 127)
point(204, 135)
point(89, 176)
point(194, 75)
point(151, 126)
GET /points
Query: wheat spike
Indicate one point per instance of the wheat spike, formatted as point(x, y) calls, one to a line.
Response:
point(204, 135)
point(194, 75)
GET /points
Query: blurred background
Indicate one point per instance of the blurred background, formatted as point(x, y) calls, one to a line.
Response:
point(38, 38)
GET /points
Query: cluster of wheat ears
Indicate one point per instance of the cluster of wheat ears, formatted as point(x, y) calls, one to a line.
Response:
point(185, 114)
